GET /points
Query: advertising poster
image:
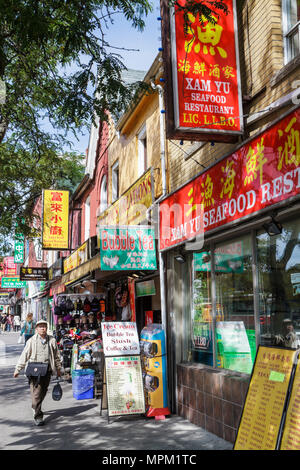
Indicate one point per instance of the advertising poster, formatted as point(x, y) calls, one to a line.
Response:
point(265, 401)
point(125, 390)
point(55, 226)
point(233, 346)
point(127, 248)
point(131, 290)
point(120, 338)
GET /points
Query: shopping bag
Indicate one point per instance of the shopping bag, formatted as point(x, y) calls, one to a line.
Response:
point(57, 392)
point(21, 339)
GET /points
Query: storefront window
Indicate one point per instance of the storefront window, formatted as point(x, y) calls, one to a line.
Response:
point(202, 320)
point(235, 327)
point(279, 286)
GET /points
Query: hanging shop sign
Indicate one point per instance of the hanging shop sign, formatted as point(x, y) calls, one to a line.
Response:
point(55, 225)
point(120, 338)
point(145, 288)
point(55, 271)
point(127, 248)
point(33, 274)
point(12, 282)
point(19, 248)
point(77, 258)
point(131, 207)
point(125, 390)
point(258, 175)
point(10, 268)
point(203, 92)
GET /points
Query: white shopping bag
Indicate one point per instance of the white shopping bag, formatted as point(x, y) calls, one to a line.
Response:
point(21, 339)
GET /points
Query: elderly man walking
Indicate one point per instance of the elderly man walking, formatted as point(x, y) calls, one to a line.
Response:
point(41, 348)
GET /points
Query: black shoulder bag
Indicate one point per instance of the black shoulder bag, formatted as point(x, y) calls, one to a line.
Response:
point(37, 370)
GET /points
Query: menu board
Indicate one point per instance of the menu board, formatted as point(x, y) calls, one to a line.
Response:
point(120, 338)
point(291, 433)
point(262, 414)
point(125, 390)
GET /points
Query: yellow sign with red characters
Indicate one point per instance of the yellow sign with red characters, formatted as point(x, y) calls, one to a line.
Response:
point(205, 72)
point(291, 434)
point(262, 415)
point(55, 225)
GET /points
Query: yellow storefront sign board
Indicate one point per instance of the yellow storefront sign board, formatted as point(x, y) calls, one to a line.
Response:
point(77, 258)
point(55, 225)
point(131, 207)
point(266, 398)
point(291, 433)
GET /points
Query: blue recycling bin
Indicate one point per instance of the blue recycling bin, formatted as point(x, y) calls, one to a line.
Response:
point(83, 384)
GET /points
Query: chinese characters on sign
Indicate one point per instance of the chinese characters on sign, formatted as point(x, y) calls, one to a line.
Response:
point(264, 172)
point(12, 282)
point(205, 67)
point(263, 410)
point(125, 390)
point(19, 248)
point(55, 234)
point(33, 274)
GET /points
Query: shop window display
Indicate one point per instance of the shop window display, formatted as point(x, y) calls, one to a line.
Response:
point(279, 286)
point(202, 321)
point(235, 326)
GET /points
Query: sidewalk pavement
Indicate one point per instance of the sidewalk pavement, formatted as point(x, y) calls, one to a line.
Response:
point(72, 424)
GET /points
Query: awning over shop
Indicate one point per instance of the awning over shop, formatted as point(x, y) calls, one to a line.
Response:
point(82, 270)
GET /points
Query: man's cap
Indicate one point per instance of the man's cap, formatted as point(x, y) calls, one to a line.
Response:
point(41, 322)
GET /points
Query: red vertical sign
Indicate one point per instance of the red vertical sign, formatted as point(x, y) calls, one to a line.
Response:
point(206, 83)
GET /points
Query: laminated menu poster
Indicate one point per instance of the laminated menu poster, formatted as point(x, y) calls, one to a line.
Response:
point(291, 433)
point(262, 416)
point(125, 390)
point(120, 338)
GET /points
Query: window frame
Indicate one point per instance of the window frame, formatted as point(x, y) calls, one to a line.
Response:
point(289, 32)
point(103, 194)
point(115, 186)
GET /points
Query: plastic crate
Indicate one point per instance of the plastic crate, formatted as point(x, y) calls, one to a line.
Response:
point(83, 384)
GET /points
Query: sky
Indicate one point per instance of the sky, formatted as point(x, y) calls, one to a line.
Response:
point(145, 45)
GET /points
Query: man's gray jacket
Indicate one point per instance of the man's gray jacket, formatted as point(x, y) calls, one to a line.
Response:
point(30, 351)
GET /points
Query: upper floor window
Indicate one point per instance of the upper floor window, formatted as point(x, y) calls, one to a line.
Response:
point(103, 194)
point(142, 151)
point(87, 219)
point(115, 182)
point(291, 29)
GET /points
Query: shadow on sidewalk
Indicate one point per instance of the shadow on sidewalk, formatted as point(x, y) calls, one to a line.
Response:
point(67, 412)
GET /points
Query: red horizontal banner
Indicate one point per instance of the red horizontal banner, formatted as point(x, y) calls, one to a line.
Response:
point(258, 175)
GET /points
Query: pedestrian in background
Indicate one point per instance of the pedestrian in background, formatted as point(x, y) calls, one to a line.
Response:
point(28, 327)
point(3, 322)
point(17, 323)
point(10, 322)
point(41, 348)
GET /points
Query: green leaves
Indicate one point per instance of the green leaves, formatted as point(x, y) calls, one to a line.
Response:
point(58, 70)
